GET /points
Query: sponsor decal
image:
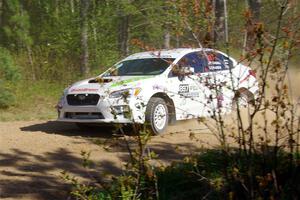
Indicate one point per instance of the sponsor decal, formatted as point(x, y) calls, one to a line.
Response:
point(84, 90)
point(226, 62)
point(158, 87)
point(129, 81)
point(216, 63)
point(192, 94)
point(193, 88)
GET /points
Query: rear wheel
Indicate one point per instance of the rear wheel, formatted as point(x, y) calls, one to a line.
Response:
point(157, 116)
point(244, 98)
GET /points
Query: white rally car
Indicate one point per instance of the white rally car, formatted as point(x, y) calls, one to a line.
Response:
point(159, 87)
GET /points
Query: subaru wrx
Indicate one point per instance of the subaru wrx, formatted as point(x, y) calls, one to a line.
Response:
point(156, 88)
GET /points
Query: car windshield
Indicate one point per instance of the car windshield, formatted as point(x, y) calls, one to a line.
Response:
point(141, 67)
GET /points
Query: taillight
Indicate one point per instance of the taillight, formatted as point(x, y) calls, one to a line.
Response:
point(252, 73)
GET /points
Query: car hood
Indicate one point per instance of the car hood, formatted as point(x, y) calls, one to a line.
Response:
point(107, 84)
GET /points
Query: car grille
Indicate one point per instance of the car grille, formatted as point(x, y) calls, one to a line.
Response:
point(84, 115)
point(83, 99)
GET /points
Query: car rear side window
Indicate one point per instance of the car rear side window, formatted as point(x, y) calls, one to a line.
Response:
point(217, 62)
point(201, 63)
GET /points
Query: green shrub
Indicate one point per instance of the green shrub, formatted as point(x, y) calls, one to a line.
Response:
point(6, 98)
point(203, 178)
point(9, 73)
point(8, 69)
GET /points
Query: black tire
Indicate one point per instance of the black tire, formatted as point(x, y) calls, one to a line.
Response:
point(244, 95)
point(153, 117)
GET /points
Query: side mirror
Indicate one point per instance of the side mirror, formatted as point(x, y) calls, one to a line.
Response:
point(187, 71)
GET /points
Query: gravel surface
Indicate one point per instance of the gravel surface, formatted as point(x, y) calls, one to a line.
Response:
point(33, 155)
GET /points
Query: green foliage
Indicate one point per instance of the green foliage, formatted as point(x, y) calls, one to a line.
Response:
point(9, 71)
point(9, 74)
point(44, 38)
point(204, 179)
point(33, 100)
point(6, 97)
point(181, 181)
point(18, 24)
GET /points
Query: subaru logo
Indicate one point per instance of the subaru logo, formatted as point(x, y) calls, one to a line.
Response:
point(81, 97)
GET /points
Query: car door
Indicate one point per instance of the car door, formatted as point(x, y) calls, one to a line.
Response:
point(188, 93)
point(217, 76)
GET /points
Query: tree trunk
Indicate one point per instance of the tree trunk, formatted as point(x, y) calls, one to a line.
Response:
point(177, 41)
point(56, 6)
point(84, 6)
point(167, 39)
point(226, 24)
point(28, 49)
point(124, 35)
point(255, 6)
point(1, 12)
point(249, 39)
point(30, 59)
point(72, 6)
point(219, 33)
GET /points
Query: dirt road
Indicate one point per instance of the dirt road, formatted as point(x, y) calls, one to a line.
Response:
point(33, 155)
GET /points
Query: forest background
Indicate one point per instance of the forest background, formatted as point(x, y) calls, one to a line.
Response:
point(45, 45)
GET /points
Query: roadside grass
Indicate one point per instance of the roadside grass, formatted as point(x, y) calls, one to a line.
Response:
point(206, 177)
point(203, 177)
point(34, 101)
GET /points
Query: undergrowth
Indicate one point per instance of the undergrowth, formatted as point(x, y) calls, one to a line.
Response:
point(32, 101)
point(202, 178)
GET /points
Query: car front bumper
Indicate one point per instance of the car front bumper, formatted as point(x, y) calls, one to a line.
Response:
point(106, 111)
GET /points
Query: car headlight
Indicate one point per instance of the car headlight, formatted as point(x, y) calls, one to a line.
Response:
point(61, 101)
point(125, 93)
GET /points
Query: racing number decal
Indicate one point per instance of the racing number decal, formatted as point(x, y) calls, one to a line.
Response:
point(183, 89)
point(187, 90)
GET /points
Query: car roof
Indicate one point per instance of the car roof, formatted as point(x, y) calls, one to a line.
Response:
point(165, 53)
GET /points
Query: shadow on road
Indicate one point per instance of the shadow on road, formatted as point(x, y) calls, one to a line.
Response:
point(25, 173)
point(34, 173)
point(70, 129)
point(37, 176)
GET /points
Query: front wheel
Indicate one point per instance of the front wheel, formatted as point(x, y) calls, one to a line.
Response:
point(157, 116)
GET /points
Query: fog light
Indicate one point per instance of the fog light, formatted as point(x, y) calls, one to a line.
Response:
point(58, 106)
point(121, 109)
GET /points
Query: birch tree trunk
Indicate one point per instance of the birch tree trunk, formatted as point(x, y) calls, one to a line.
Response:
point(84, 6)
point(124, 34)
point(56, 6)
point(27, 43)
point(72, 6)
point(167, 39)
